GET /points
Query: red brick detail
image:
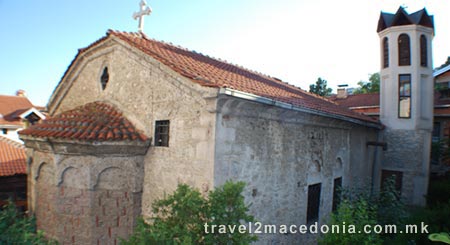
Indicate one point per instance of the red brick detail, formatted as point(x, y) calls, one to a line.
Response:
point(109, 232)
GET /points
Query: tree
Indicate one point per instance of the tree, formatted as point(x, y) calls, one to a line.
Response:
point(16, 228)
point(320, 87)
point(373, 86)
point(187, 217)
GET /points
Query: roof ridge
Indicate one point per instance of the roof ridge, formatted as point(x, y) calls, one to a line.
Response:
point(16, 96)
point(207, 70)
point(276, 80)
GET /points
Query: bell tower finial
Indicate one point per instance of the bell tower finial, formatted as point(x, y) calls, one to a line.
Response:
point(144, 10)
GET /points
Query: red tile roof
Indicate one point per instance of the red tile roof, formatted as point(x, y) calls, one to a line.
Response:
point(11, 107)
point(211, 72)
point(358, 100)
point(12, 157)
point(366, 100)
point(96, 121)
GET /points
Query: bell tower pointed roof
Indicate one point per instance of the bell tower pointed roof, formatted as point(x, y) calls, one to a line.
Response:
point(401, 17)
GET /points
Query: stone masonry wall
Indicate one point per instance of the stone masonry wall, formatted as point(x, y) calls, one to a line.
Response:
point(409, 152)
point(85, 199)
point(279, 152)
point(147, 91)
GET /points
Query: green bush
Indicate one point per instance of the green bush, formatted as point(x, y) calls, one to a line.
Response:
point(436, 217)
point(358, 207)
point(439, 191)
point(358, 213)
point(15, 228)
point(181, 217)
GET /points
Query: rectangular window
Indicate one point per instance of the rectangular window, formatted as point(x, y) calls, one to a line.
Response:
point(162, 133)
point(385, 52)
point(436, 132)
point(404, 96)
point(337, 192)
point(397, 178)
point(312, 214)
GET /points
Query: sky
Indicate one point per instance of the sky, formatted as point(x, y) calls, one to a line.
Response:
point(297, 41)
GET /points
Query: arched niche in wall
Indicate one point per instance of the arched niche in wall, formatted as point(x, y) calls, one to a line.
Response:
point(73, 177)
point(338, 167)
point(44, 170)
point(112, 178)
point(314, 172)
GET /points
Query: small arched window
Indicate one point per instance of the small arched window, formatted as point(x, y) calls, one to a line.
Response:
point(385, 52)
point(404, 50)
point(423, 51)
point(104, 78)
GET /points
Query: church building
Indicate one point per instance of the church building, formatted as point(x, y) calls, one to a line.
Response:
point(133, 117)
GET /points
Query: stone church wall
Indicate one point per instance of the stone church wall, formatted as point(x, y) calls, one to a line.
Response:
point(85, 199)
point(147, 91)
point(279, 152)
point(409, 153)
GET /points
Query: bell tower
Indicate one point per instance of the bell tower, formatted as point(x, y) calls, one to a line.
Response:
point(406, 99)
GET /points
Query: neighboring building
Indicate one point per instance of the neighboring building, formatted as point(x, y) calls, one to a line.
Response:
point(369, 104)
point(133, 117)
point(441, 125)
point(13, 178)
point(16, 113)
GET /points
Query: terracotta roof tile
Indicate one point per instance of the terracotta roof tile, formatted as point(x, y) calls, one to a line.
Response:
point(11, 107)
point(358, 100)
point(208, 71)
point(364, 100)
point(96, 121)
point(12, 157)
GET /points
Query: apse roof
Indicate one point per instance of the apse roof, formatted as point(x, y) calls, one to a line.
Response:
point(95, 121)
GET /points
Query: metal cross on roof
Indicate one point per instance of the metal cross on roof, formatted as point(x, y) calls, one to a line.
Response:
point(145, 10)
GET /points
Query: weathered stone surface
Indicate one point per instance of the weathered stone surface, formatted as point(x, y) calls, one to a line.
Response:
point(278, 153)
point(409, 152)
point(79, 199)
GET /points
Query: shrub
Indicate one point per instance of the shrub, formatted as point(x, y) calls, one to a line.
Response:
point(439, 190)
point(360, 208)
point(180, 218)
point(358, 213)
point(15, 228)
